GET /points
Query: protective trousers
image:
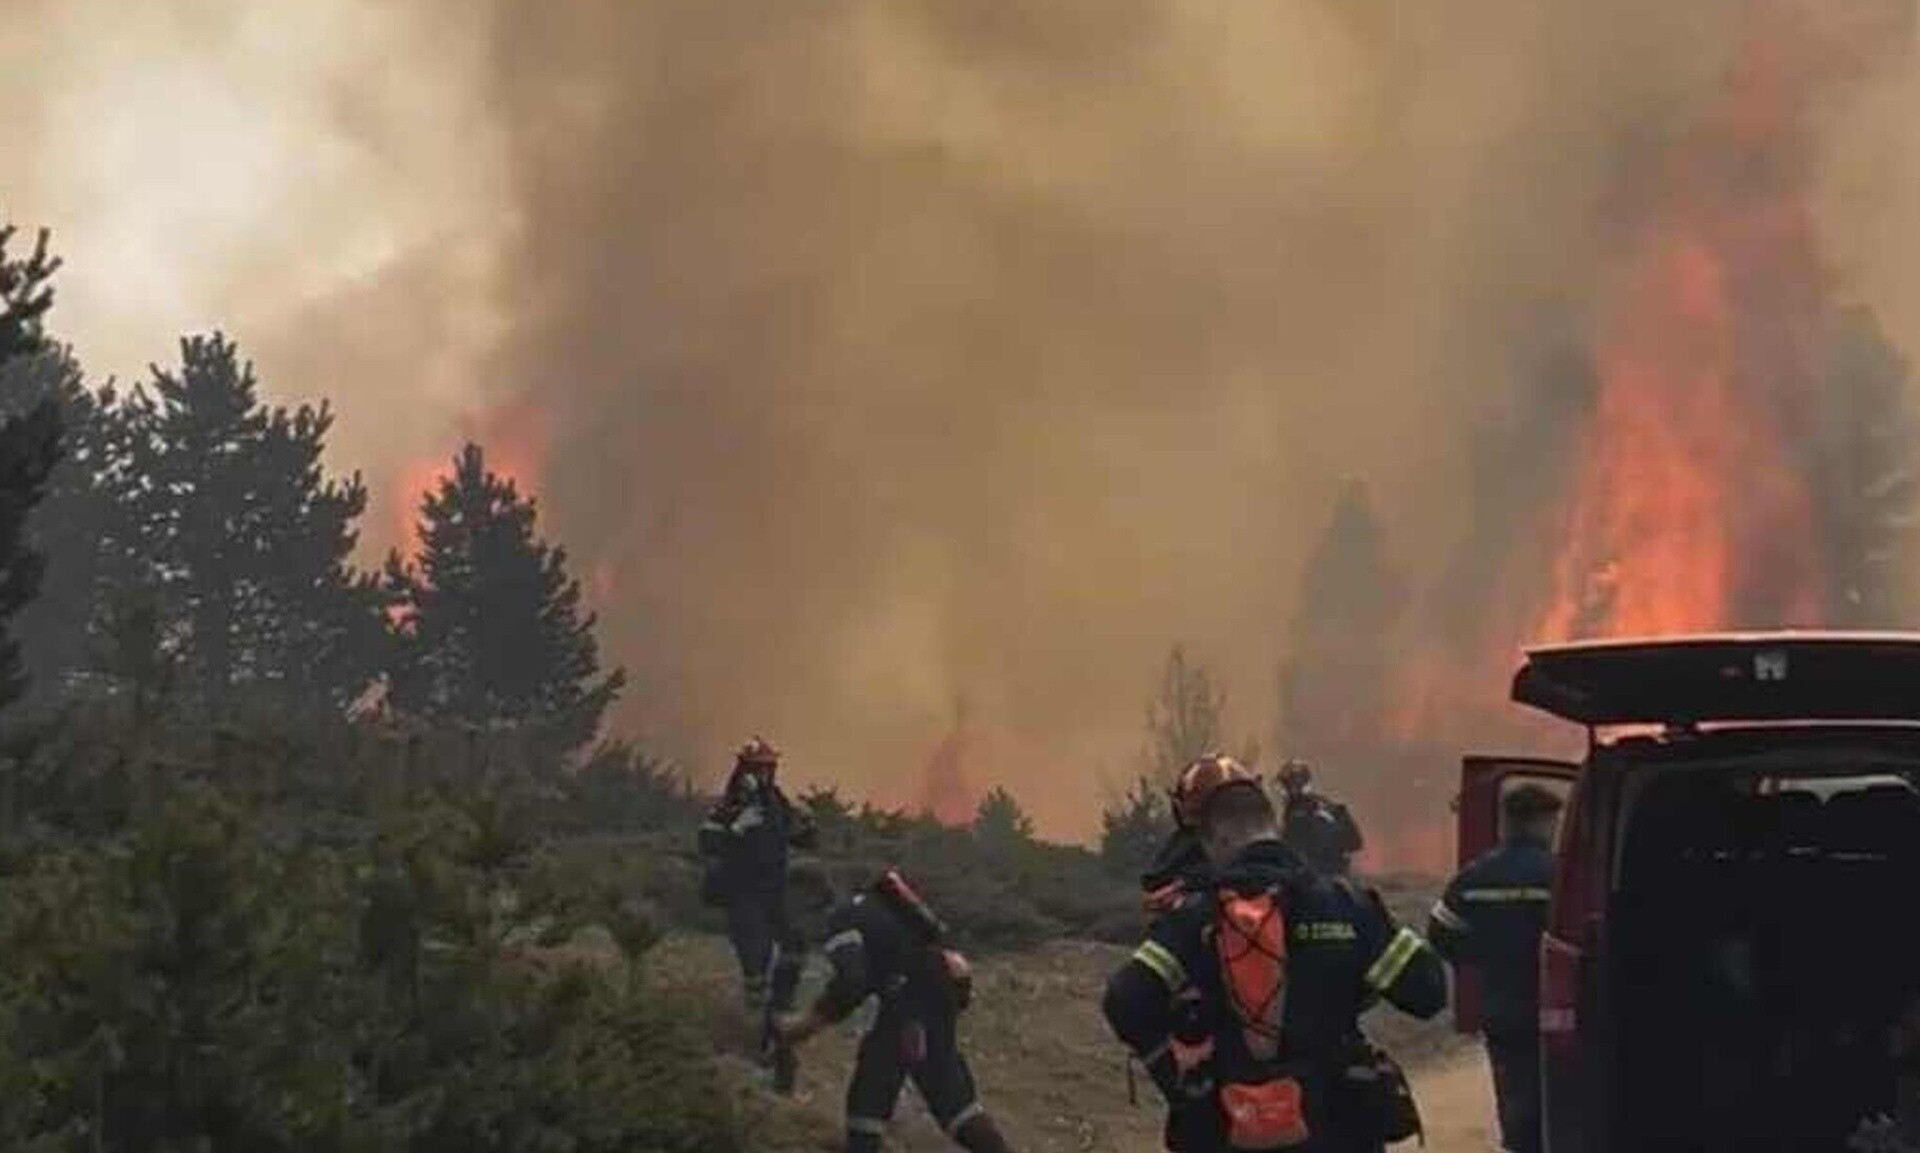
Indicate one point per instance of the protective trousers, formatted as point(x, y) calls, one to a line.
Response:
point(901, 1046)
point(766, 947)
point(1515, 1059)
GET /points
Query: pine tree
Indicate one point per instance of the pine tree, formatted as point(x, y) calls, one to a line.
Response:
point(1186, 718)
point(1867, 478)
point(492, 631)
point(325, 634)
point(1000, 824)
point(244, 539)
point(29, 448)
point(1333, 685)
point(80, 527)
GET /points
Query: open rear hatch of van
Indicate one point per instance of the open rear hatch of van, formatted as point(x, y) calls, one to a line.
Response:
point(1762, 933)
point(1757, 677)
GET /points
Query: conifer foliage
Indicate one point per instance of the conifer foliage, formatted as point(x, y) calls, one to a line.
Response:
point(29, 448)
point(492, 632)
point(245, 539)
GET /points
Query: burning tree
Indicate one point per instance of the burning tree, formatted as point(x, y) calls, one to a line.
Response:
point(491, 630)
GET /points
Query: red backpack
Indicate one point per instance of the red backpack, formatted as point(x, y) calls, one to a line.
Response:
point(1250, 943)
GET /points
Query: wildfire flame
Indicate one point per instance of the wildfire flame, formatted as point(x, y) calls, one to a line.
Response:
point(513, 438)
point(1690, 506)
point(1691, 510)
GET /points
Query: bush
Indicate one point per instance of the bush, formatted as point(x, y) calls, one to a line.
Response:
point(1001, 825)
point(621, 788)
point(1133, 827)
point(207, 974)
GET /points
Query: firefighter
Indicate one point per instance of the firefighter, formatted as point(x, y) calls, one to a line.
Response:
point(886, 944)
point(1181, 863)
point(1284, 961)
point(1490, 919)
point(747, 840)
point(1319, 829)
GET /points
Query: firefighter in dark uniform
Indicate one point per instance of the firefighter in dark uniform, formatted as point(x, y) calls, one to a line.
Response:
point(1319, 829)
point(885, 943)
point(1181, 863)
point(1490, 919)
point(746, 841)
point(1288, 1063)
point(1177, 871)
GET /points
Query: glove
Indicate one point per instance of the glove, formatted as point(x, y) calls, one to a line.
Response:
point(959, 977)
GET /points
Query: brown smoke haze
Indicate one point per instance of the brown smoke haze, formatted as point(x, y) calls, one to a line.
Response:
point(871, 356)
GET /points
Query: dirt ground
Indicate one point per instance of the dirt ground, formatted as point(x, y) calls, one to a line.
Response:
point(1046, 1064)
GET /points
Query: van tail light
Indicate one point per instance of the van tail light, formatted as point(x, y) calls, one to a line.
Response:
point(1560, 965)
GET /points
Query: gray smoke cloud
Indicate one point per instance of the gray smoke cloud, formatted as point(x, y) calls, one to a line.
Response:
point(875, 356)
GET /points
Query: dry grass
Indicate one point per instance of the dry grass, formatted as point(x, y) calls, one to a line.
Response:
point(1047, 1066)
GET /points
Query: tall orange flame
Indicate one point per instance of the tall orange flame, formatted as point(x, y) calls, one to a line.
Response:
point(1690, 506)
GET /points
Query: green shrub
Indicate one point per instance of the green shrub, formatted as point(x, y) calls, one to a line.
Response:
point(211, 977)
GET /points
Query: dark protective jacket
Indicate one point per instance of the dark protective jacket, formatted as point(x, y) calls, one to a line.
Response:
point(1322, 832)
point(1344, 953)
point(875, 954)
point(1490, 918)
point(1180, 866)
point(751, 832)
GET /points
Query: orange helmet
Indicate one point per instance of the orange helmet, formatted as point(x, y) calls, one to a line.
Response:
point(758, 752)
point(1200, 780)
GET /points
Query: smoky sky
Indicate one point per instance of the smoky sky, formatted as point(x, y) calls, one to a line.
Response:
point(879, 355)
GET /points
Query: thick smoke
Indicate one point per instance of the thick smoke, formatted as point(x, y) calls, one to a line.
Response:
point(900, 352)
point(871, 356)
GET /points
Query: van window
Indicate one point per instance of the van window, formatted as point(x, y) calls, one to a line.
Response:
point(1825, 787)
point(1758, 965)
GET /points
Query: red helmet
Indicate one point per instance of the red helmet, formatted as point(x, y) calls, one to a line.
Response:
point(758, 752)
point(1200, 780)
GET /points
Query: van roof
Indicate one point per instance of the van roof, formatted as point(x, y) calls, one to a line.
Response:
point(1726, 677)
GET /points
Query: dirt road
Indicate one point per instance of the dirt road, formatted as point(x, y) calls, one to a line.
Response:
point(1456, 1098)
point(1046, 1064)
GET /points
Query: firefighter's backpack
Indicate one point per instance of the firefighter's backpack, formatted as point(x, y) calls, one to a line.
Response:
point(1250, 944)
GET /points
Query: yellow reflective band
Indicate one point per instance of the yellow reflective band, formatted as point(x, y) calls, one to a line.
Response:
point(1393, 961)
point(1518, 894)
point(1442, 915)
point(1164, 964)
point(1324, 931)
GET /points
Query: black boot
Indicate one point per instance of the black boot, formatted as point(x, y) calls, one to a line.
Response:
point(980, 1135)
